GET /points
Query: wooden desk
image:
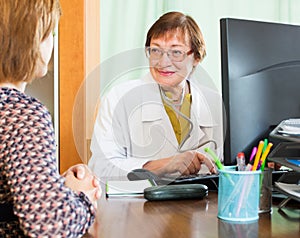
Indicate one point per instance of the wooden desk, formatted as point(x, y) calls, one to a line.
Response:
point(137, 217)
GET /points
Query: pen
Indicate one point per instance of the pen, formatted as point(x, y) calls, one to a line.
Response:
point(248, 167)
point(218, 163)
point(259, 165)
point(215, 158)
point(258, 154)
point(254, 150)
point(240, 159)
point(265, 145)
point(264, 156)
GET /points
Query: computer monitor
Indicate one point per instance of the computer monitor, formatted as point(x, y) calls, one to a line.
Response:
point(260, 81)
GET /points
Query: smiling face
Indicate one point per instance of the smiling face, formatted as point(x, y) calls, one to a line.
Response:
point(166, 73)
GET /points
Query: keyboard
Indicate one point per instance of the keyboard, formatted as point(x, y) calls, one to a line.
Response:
point(210, 180)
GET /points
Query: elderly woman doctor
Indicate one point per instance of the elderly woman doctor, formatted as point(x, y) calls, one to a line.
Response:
point(159, 122)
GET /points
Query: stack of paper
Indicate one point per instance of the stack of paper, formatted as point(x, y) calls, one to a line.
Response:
point(289, 127)
point(290, 189)
point(126, 188)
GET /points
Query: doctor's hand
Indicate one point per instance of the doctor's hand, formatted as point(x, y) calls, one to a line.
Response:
point(185, 163)
point(80, 179)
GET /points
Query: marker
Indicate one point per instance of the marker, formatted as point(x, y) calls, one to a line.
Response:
point(258, 154)
point(218, 163)
point(215, 158)
point(254, 150)
point(265, 145)
point(259, 165)
point(264, 156)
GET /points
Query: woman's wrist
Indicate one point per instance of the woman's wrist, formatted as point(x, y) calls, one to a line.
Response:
point(157, 166)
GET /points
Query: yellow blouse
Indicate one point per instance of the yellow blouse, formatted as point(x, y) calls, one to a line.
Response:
point(180, 125)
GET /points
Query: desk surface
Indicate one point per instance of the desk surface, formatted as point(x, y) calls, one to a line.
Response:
point(137, 217)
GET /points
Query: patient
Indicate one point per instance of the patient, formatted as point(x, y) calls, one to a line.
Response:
point(35, 200)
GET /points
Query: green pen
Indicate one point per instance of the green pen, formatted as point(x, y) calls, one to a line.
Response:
point(265, 145)
point(218, 163)
point(215, 158)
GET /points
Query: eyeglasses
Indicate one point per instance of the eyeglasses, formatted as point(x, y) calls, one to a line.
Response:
point(155, 53)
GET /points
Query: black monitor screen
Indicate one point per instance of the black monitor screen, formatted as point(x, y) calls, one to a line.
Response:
point(260, 81)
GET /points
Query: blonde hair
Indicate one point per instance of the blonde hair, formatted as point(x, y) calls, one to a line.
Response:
point(24, 24)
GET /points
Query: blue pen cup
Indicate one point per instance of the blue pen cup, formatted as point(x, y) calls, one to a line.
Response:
point(238, 195)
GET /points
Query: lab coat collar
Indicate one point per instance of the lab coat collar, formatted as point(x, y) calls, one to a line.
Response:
point(200, 106)
point(152, 106)
point(153, 110)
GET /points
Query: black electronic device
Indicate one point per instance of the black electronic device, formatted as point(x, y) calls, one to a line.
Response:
point(260, 81)
point(176, 192)
point(209, 180)
point(141, 174)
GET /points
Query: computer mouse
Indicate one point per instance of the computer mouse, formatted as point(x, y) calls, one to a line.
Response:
point(139, 174)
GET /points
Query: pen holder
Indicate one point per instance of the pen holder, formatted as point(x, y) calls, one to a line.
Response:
point(238, 195)
point(265, 201)
point(237, 230)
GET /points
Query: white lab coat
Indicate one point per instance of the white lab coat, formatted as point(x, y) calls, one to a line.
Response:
point(132, 126)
